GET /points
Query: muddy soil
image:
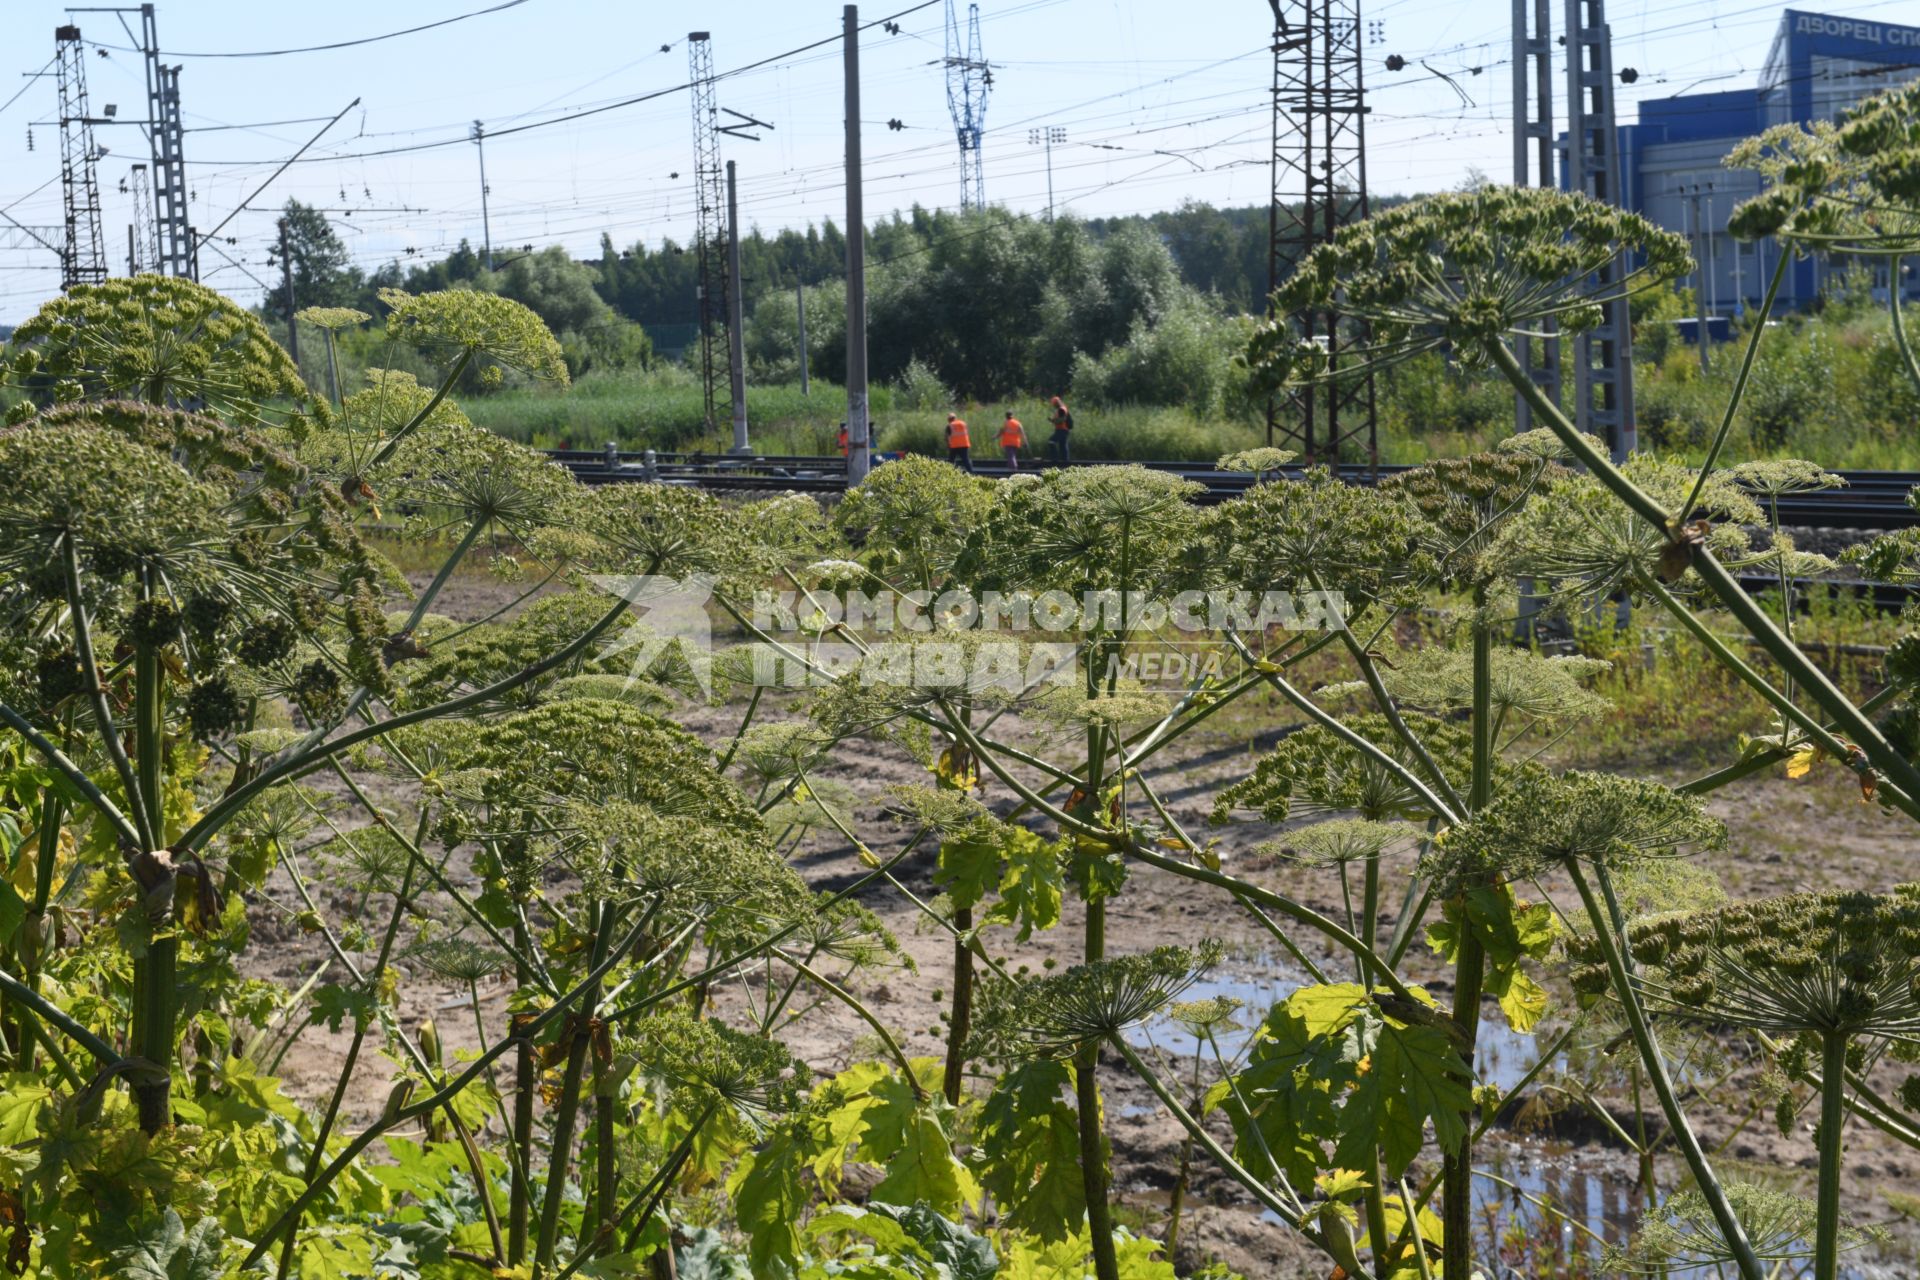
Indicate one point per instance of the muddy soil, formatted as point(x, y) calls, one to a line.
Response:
point(1813, 833)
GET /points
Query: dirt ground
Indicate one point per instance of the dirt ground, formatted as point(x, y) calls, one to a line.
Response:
point(1813, 833)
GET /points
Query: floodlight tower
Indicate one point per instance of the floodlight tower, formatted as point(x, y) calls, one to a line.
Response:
point(969, 81)
point(1319, 185)
point(83, 257)
point(710, 238)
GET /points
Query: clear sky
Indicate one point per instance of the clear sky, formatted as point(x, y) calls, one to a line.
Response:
point(1161, 102)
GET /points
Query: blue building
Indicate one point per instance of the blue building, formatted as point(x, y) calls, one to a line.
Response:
point(1671, 161)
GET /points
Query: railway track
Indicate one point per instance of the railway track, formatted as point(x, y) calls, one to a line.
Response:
point(1871, 499)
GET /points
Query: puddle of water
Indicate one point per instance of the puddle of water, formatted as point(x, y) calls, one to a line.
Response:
point(1258, 982)
point(1606, 1203)
point(1265, 978)
point(1503, 1056)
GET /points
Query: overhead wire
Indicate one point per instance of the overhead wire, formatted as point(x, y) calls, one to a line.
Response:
point(323, 48)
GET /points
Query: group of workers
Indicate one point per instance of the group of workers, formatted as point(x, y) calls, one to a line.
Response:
point(1013, 437)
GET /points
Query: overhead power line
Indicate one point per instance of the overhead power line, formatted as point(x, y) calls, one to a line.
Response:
point(339, 44)
point(592, 111)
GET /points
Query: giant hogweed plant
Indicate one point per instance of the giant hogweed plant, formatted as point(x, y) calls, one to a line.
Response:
point(1349, 1084)
point(205, 686)
point(1818, 980)
point(557, 829)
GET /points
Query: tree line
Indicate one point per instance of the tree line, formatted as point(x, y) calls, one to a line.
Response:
point(988, 302)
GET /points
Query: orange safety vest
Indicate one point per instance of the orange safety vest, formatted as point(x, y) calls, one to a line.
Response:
point(1012, 435)
point(957, 437)
point(843, 442)
point(1062, 418)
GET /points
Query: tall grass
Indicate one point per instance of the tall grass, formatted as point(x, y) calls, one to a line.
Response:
point(664, 410)
point(660, 409)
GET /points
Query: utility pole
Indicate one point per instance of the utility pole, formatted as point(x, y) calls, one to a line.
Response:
point(1046, 138)
point(800, 303)
point(486, 221)
point(286, 277)
point(859, 431)
point(736, 328)
point(133, 258)
point(707, 197)
point(1703, 266)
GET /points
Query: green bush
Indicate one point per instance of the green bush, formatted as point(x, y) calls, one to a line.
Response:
point(1184, 357)
point(920, 389)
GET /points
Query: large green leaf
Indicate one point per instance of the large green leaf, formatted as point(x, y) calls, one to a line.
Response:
point(769, 1197)
point(1332, 1077)
point(21, 1099)
point(958, 1252)
point(1031, 883)
point(1027, 1151)
point(13, 910)
point(968, 869)
point(908, 1136)
point(167, 1250)
point(1509, 931)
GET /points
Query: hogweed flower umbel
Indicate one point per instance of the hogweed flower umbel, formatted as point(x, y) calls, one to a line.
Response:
point(1462, 271)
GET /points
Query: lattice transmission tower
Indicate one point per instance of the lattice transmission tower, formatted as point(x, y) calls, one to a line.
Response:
point(1534, 154)
point(969, 81)
point(1603, 355)
point(83, 254)
point(177, 254)
point(710, 238)
point(1319, 181)
point(146, 248)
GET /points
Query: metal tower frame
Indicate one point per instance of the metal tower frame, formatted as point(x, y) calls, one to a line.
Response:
point(969, 81)
point(1602, 356)
point(83, 260)
point(1533, 166)
point(146, 246)
point(710, 239)
point(175, 252)
point(1319, 181)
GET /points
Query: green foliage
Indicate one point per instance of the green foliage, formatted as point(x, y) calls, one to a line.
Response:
point(1028, 1150)
point(1508, 931)
point(1334, 1076)
point(322, 269)
point(1023, 869)
point(1182, 357)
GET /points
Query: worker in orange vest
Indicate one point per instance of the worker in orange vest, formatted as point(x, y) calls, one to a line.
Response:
point(1013, 438)
point(842, 440)
point(959, 443)
point(1062, 422)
